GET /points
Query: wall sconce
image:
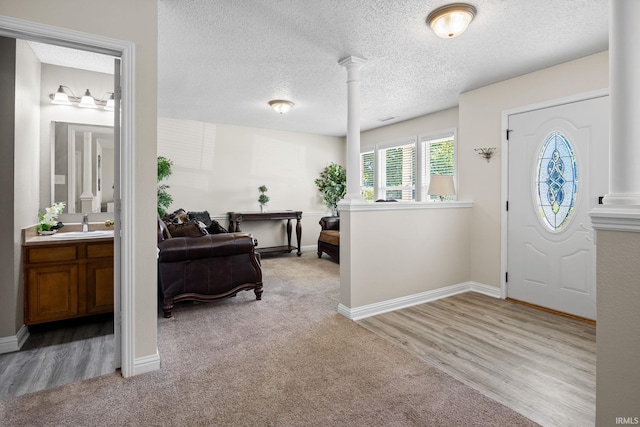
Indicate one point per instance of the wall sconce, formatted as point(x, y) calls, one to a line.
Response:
point(451, 20)
point(485, 153)
point(441, 186)
point(65, 96)
point(281, 106)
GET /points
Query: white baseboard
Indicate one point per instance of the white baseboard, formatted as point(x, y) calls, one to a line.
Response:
point(358, 313)
point(146, 364)
point(487, 290)
point(14, 343)
point(309, 248)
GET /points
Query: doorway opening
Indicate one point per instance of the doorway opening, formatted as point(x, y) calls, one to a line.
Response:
point(69, 348)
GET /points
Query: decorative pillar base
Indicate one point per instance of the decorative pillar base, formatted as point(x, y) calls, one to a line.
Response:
point(622, 199)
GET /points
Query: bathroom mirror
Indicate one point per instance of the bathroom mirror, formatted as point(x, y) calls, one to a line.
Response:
point(82, 167)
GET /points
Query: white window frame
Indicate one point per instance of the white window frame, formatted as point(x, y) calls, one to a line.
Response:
point(380, 170)
point(422, 178)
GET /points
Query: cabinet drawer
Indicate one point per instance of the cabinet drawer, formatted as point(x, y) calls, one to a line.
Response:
point(52, 254)
point(99, 250)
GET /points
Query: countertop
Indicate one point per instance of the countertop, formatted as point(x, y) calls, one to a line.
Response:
point(30, 235)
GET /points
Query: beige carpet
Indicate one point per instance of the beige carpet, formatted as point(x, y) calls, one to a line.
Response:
point(288, 360)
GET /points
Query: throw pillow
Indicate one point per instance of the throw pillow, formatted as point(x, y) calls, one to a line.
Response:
point(203, 217)
point(186, 229)
point(216, 228)
point(177, 217)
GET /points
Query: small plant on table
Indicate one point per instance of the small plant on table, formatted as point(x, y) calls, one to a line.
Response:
point(263, 199)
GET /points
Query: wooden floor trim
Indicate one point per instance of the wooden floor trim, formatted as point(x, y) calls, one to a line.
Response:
point(552, 311)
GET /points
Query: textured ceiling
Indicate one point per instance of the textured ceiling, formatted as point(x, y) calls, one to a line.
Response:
point(73, 58)
point(222, 61)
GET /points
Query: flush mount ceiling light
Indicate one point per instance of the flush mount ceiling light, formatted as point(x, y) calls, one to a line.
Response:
point(281, 106)
point(451, 20)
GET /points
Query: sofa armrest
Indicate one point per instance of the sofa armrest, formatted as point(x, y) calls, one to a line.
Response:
point(210, 246)
point(330, 222)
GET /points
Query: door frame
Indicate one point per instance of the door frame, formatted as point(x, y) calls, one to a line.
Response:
point(34, 31)
point(504, 196)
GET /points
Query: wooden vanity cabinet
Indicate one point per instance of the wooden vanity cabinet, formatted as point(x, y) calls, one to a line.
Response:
point(67, 279)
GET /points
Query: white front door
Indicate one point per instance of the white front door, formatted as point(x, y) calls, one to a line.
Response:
point(558, 169)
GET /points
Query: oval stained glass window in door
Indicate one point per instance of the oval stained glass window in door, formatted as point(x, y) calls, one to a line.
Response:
point(556, 181)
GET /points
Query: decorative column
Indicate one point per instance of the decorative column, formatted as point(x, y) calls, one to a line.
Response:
point(617, 226)
point(353, 65)
point(624, 63)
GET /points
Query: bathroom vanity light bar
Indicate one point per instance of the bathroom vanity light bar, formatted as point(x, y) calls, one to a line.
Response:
point(61, 97)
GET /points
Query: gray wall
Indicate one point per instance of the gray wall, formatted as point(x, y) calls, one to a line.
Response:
point(7, 132)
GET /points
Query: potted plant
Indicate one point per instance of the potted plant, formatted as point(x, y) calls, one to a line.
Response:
point(48, 220)
point(263, 199)
point(164, 198)
point(332, 185)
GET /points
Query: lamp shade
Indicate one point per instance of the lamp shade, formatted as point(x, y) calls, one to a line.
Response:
point(441, 185)
point(451, 20)
point(61, 97)
point(111, 103)
point(87, 100)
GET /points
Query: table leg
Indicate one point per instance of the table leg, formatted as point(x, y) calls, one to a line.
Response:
point(289, 234)
point(299, 234)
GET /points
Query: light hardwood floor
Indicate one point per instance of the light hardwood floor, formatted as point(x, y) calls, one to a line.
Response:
point(59, 353)
point(540, 364)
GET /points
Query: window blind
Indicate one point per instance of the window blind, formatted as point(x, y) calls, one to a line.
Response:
point(399, 166)
point(367, 175)
point(438, 158)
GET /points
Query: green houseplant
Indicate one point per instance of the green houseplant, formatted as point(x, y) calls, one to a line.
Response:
point(263, 199)
point(332, 185)
point(164, 198)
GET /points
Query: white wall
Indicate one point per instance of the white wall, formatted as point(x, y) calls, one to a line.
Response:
point(78, 81)
point(219, 168)
point(398, 251)
point(480, 126)
point(441, 120)
point(26, 161)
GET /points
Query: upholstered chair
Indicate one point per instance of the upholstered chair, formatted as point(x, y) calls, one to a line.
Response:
point(329, 238)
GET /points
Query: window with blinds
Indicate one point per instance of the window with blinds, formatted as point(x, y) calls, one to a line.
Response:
point(401, 170)
point(367, 175)
point(398, 172)
point(437, 158)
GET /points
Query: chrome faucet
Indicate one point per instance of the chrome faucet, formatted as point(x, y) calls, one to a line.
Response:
point(85, 223)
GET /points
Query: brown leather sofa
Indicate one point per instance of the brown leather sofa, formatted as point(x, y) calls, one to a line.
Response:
point(329, 238)
point(206, 268)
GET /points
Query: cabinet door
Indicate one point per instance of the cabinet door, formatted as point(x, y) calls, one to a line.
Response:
point(100, 286)
point(52, 293)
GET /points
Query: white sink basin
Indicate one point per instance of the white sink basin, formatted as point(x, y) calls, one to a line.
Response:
point(83, 235)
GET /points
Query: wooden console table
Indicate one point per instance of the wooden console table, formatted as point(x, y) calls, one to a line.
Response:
point(235, 218)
